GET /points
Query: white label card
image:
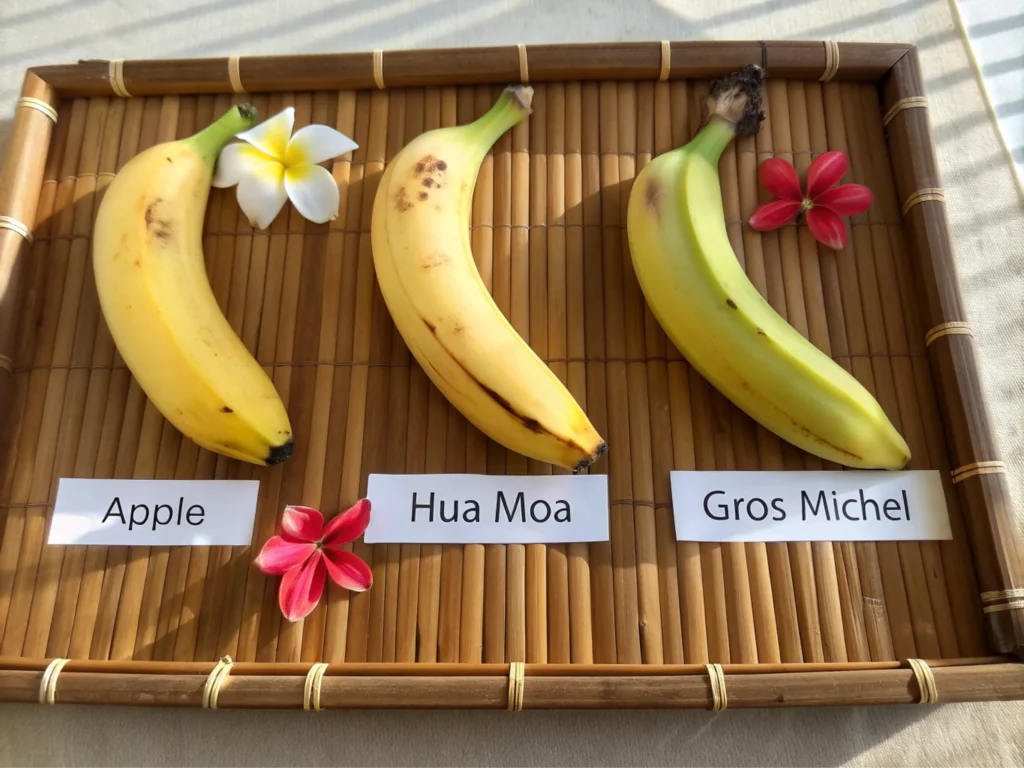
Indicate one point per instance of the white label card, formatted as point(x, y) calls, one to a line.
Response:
point(487, 509)
point(163, 513)
point(809, 506)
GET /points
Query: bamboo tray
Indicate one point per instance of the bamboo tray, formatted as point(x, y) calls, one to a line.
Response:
point(640, 621)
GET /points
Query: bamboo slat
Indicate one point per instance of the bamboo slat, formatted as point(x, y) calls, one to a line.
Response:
point(630, 622)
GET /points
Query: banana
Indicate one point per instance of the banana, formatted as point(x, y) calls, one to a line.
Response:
point(441, 307)
point(718, 320)
point(156, 298)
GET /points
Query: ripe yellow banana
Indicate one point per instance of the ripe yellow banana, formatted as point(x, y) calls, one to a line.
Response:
point(162, 314)
point(434, 292)
point(700, 295)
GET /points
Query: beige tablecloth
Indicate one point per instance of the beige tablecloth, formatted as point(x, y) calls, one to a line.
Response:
point(988, 222)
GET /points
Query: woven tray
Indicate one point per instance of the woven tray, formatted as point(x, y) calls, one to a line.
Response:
point(628, 623)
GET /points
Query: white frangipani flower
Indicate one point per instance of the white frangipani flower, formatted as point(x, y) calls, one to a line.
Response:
point(271, 165)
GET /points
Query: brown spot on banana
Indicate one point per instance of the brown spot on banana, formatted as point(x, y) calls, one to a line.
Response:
point(731, 303)
point(161, 229)
point(402, 201)
point(652, 195)
point(823, 441)
point(528, 422)
point(434, 260)
point(151, 211)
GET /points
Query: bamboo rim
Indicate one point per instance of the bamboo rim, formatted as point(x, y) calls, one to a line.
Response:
point(547, 63)
point(711, 687)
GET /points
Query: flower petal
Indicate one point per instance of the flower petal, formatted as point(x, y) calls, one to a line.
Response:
point(302, 524)
point(773, 215)
point(273, 134)
point(302, 588)
point(846, 199)
point(262, 194)
point(235, 162)
point(316, 143)
point(826, 171)
point(779, 178)
point(280, 555)
point(313, 192)
point(349, 525)
point(347, 570)
point(827, 228)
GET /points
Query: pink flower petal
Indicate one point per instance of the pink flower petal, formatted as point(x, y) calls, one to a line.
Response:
point(347, 570)
point(846, 199)
point(302, 588)
point(826, 171)
point(349, 525)
point(827, 228)
point(302, 524)
point(773, 215)
point(280, 555)
point(779, 178)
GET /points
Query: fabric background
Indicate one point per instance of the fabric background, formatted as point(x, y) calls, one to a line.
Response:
point(987, 218)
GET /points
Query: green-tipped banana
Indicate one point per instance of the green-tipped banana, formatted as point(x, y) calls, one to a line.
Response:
point(717, 319)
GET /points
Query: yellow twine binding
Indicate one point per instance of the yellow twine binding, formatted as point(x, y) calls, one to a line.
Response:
point(39, 105)
point(235, 74)
point(947, 329)
point(214, 681)
point(48, 685)
point(930, 195)
point(524, 67)
point(11, 223)
point(666, 61)
point(910, 102)
point(978, 468)
point(831, 61)
point(378, 68)
point(516, 685)
point(311, 690)
point(115, 73)
point(925, 681)
point(719, 697)
point(1012, 605)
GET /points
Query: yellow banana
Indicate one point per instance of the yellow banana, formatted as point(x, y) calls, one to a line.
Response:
point(702, 298)
point(162, 314)
point(434, 292)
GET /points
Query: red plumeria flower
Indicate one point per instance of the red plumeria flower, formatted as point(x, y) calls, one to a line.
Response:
point(307, 551)
point(824, 202)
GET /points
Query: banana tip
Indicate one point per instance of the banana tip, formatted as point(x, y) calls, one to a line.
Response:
point(279, 453)
point(584, 464)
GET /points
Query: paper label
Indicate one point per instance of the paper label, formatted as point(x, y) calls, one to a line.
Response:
point(809, 506)
point(164, 513)
point(487, 509)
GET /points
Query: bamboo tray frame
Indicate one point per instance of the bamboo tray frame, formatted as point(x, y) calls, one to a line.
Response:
point(38, 196)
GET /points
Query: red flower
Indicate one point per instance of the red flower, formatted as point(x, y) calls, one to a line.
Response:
point(306, 552)
point(824, 202)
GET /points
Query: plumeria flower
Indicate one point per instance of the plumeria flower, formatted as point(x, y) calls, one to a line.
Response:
point(307, 552)
point(824, 202)
point(270, 165)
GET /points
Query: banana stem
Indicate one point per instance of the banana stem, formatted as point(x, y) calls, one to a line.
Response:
point(734, 107)
point(211, 140)
point(512, 106)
